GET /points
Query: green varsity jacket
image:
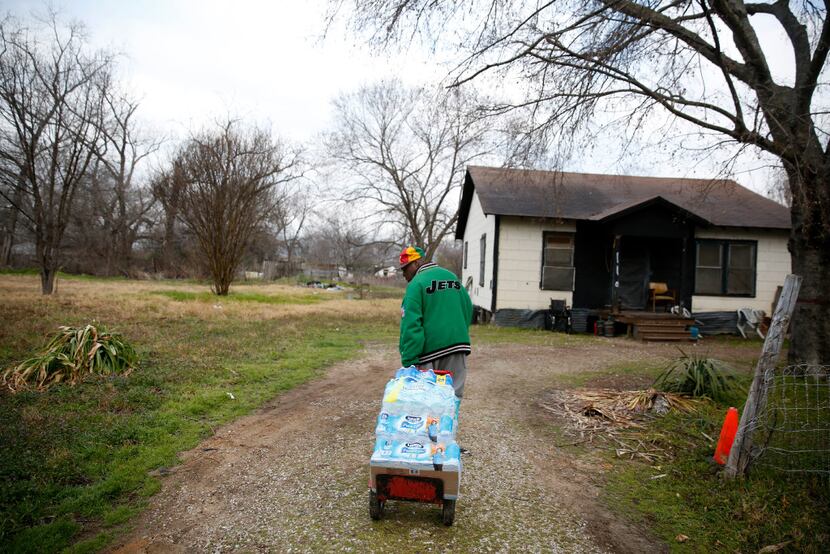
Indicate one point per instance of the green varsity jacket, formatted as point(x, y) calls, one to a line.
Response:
point(435, 316)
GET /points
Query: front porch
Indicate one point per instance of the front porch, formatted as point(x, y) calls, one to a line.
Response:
point(650, 326)
point(618, 255)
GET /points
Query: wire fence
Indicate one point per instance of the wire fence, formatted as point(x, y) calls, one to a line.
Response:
point(792, 432)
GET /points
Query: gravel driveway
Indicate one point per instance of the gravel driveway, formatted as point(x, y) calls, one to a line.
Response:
point(293, 477)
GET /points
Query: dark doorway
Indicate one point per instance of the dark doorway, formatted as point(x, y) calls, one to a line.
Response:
point(644, 260)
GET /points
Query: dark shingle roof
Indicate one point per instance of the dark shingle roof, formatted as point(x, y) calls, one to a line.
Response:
point(585, 196)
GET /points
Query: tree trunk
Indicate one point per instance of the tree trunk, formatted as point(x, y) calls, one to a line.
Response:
point(10, 231)
point(124, 251)
point(430, 250)
point(810, 250)
point(47, 279)
point(221, 285)
point(167, 241)
point(810, 329)
point(6, 249)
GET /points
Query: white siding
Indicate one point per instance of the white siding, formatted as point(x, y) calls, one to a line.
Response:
point(478, 224)
point(520, 264)
point(772, 265)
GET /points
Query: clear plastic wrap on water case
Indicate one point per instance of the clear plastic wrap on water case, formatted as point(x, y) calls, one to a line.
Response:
point(418, 421)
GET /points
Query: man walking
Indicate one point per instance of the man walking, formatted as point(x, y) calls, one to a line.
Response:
point(435, 316)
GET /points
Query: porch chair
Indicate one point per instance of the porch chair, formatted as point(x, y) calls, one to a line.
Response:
point(752, 319)
point(660, 292)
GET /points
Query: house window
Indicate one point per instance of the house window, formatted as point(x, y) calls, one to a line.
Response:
point(481, 260)
point(557, 261)
point(465, 254)
point(725, 268)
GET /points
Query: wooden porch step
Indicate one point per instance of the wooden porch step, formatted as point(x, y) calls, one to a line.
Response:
point(662, 319)
point(665, 324)
point(678, 336)
point(666, 338)
point(648, 327)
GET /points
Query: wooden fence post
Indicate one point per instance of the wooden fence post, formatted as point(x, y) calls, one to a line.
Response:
point(739, 455)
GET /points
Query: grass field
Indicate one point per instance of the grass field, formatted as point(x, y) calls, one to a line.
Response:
point(75, 461)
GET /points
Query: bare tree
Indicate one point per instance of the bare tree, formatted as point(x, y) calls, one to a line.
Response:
point(122, 205)
point(405, 151)
point(287, 222)
point(9, 215)
point(277, 240)
point(701, 62)
point(451, 256)
point(167, 187)
point(345, 242)
point(50, 123)
point(232, 182)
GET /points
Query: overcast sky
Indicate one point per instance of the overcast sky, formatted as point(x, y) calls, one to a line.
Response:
point(192, 62)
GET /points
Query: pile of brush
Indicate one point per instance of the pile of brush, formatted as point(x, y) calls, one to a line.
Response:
point(607, 414)
point(614, 408)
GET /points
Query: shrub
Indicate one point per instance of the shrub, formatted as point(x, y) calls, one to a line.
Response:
point(698, 376)
point(71, 355)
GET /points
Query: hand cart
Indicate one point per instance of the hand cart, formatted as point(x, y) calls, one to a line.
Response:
point(431, 487)
point(434, 486)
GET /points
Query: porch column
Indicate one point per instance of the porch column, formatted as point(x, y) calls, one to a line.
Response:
point(615, 274)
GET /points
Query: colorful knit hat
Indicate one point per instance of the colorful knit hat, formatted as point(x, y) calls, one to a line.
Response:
point(410, 254)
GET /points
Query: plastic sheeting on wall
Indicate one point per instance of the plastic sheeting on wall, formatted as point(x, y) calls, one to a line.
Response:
point(526, 319)
point(717, 323)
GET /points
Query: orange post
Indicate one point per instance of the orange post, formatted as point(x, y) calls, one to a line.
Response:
point(727, 436)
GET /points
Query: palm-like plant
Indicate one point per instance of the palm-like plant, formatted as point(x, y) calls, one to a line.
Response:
point(698, 376)
point(70, 356)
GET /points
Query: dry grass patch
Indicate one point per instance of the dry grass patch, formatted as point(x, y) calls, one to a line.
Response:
point(139, 299)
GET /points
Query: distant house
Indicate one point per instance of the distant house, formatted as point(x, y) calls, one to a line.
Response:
point(326, 271)
point(390, 271)
point(598, 241)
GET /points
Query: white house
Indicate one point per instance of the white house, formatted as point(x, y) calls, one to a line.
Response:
point(598, 241)
point(389, 271)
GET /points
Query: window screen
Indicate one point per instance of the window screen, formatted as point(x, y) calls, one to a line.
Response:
point(465, 254)
point(725, 267)
point(481, 262)
point(557, 261)
point(741, 264)
point(709, 270)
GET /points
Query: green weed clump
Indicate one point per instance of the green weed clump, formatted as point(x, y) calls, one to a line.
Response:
point(72, 354)
point(698, 376)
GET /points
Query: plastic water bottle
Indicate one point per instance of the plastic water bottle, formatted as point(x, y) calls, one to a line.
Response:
point(428, 375)
point(382, 425)
point(383, 451)
point(452, 458)
point(446, 429)
point(404, 372)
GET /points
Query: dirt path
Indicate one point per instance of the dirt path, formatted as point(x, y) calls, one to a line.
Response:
point(293, 476)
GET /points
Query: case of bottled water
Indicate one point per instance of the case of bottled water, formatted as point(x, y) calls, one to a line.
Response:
point(417, 424)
